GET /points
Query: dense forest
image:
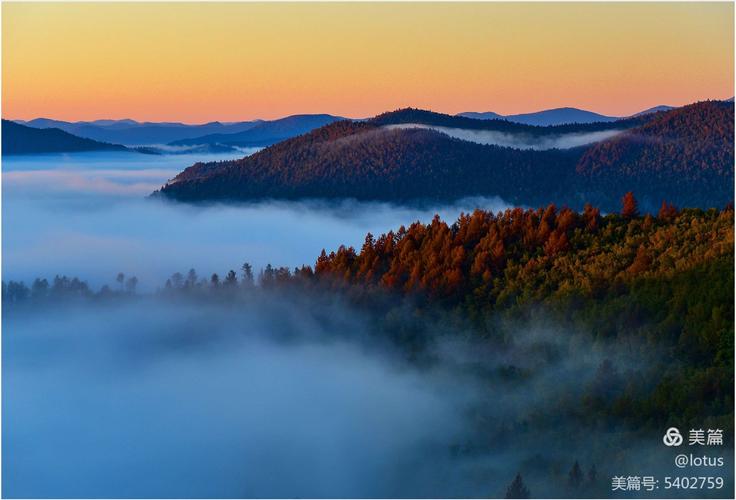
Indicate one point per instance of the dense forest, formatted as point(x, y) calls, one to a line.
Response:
point(370, 163)
point(662, 282)
point(671, 154)
point(684, 155)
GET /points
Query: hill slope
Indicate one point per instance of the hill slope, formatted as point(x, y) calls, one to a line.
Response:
point(686, 154)
point(368, 160)
point(19, 139)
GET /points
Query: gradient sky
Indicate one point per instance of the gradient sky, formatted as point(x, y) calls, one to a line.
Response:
point(198, 62)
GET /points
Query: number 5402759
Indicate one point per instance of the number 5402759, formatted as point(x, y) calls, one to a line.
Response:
point(693, 483)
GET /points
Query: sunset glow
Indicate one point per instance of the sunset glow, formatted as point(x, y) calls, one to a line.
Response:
point(199, 62)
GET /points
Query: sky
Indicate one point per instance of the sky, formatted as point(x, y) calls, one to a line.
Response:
point(200, 62)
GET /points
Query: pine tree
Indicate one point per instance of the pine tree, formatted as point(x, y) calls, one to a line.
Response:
point(517, 489)
point(575, 477)
point(592, 474)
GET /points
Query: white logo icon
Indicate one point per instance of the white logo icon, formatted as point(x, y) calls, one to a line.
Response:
point(672, 437)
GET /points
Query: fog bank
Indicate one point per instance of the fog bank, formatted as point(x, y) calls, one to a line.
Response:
point(520, 141)
point(87, 215)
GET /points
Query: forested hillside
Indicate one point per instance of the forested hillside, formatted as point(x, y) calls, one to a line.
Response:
point(362, 161)
point(665, 282)
point(684, 155)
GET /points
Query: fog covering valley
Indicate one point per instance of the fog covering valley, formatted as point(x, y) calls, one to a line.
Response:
point(284, 394)
point(88, 215)
point(275, 392)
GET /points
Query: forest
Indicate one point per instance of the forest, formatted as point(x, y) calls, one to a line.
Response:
point(662, 282)
point(684, 155)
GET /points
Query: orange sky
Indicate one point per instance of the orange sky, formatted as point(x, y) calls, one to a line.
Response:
point(199, 62)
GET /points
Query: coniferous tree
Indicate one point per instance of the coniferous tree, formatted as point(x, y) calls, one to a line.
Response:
point(517, 488)
point(575, 476)
point(247, 274)
point(592, 474)
point(629, 208)
point(231, 279)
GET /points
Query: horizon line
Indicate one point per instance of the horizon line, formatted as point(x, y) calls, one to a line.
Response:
point(128, 118)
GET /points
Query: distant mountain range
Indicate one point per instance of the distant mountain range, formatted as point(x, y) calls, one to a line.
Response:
point(264, 133)
point(684, 155)
point(557, 116)
point(20, 139)
point(222, 137)
point(215, 136)
point(133, 133)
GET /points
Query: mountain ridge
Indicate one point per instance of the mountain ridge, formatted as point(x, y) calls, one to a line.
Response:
point(20, 139)
point(557, 116)
point(367, 160)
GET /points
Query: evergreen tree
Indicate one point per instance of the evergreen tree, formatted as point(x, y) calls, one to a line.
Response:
point(247, 274)
point(592, 474)
point(517, 488)
point(575, 477)
point(231, 279)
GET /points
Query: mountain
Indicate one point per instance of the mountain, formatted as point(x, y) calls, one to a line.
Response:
point(430, 118)
point(130, 132)
point(654, 109)
point(370, 162)
point(557, 116)
point(264, 133)
point(20, 139)
point(560, 115)
point(684, 155)
point(485, 115)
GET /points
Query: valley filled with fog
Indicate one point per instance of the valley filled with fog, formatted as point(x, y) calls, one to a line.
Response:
point(272, 392)
point(88, 215)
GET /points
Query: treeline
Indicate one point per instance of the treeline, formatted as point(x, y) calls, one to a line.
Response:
point(62, 287)
point(684, 155)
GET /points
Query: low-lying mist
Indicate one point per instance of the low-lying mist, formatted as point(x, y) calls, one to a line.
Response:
point(285, 394)
point(520, 141)
point(87, 215)
point(277, 392)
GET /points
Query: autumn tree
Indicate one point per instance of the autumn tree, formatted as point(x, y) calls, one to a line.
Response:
point(667, 211)
point(629, 206)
